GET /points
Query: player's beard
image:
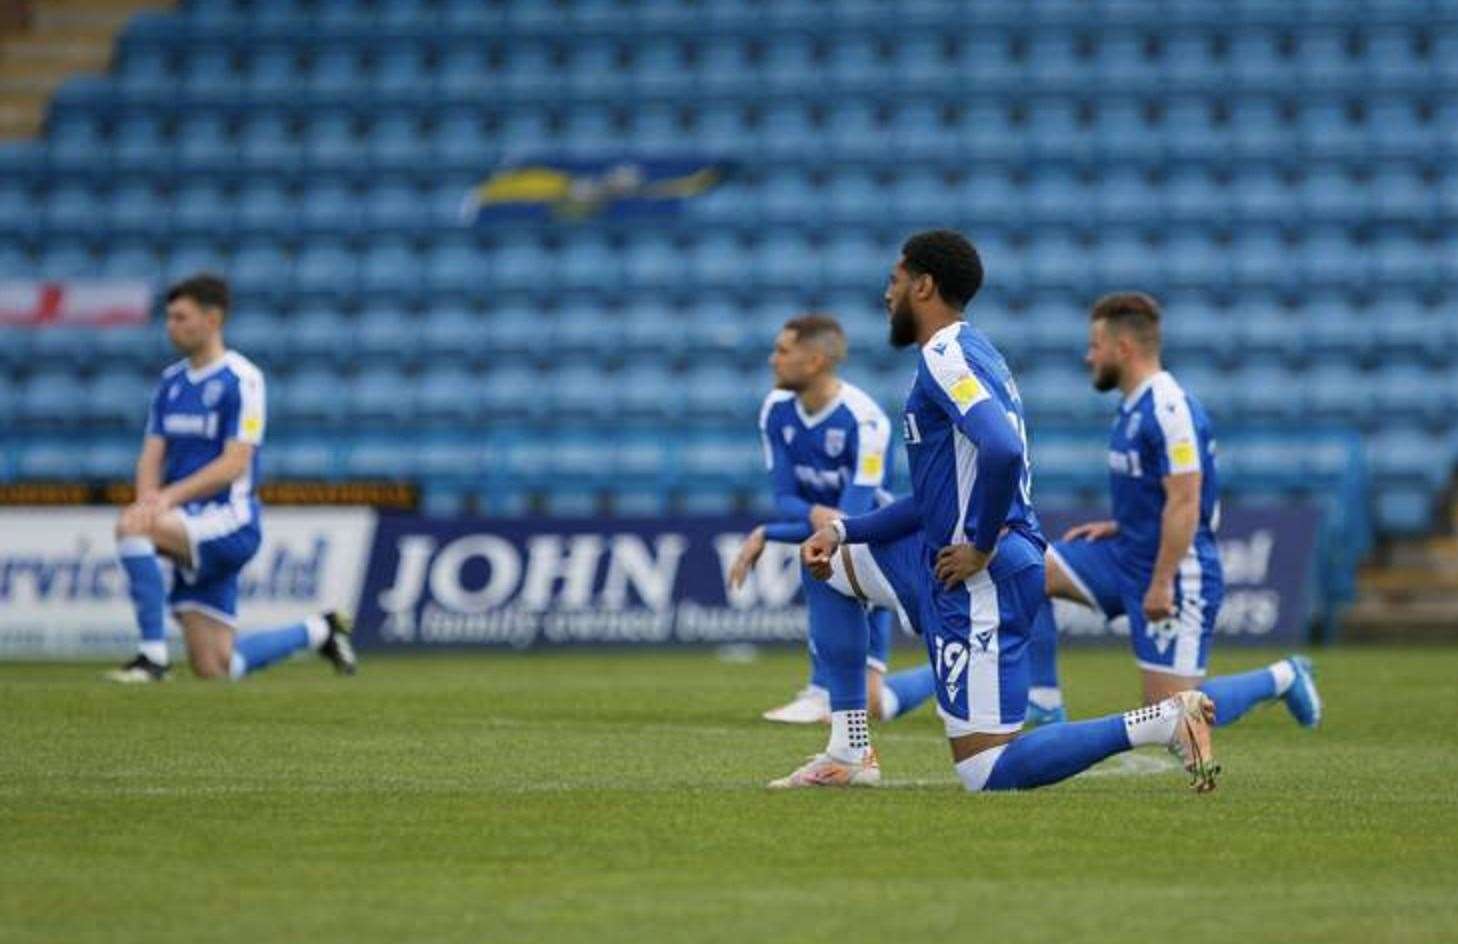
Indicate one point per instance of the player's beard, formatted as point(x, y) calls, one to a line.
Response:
point(903, 324)
point(1106, 378)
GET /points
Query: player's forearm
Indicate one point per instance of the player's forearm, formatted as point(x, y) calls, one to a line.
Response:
point(149, 467)
point(896, 520)
point(1176, 533)
point(999, 469)
point(148, 477)
point(209, 480)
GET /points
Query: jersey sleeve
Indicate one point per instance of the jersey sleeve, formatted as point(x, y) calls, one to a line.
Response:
point(873, 438)
point(1173, 440)
point(953, 384)
point(244, 412)
point(154, 411)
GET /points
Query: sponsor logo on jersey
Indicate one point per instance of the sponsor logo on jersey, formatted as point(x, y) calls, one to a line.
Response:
point(910, 431)
point(966, 391)
point(1182, 453)
point(788, 432)
point(190, 424)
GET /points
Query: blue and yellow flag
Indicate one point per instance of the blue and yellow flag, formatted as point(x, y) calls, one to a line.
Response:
point(579, 189)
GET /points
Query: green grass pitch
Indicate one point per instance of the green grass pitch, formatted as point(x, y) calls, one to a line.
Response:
point(619, 797)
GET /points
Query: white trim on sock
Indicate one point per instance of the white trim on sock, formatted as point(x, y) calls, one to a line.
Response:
point(1284, 675)
point(135, 545)
point(156, 651)
point(850, 736)
point(318, 630)
point(1152, 724)
point(974, 771)
point(1046, 697)
point(890, 703)
point(237, 666)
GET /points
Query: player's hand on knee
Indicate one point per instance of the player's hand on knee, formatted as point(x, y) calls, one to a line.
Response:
point(1159, 601)
point(958, 563)
point(816, 553)
point(1092, 531)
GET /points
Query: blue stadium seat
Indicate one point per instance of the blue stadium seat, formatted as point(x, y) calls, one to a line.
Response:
point(308, 457)
point(325, 268)
point(515, 392)
point(384, 396)
point(119, 398)
point(52, 459)
point(451, 335)
point(384, 334)
point(450, 395)
point(51, 399)
point(273, 73)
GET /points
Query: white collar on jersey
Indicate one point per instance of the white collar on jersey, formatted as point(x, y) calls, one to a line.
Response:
point(1142, 389)
point(207, 370)
point(825, 411)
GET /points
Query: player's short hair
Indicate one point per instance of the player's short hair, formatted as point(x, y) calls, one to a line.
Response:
point(206, 289)
point(821, 330)
point(950, 259)
point(1133, 313)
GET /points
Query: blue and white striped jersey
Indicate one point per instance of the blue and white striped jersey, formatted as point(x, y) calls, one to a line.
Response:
point(197, 411)
point(1161, 430)
point(966, 447)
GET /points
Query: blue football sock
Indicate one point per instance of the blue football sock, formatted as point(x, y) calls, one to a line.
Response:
point(840, 636)
point(908, 689)
point(1055, 752)
point(255, 651)
point(1234, 695)
point(1043, 648)
point(148, 592)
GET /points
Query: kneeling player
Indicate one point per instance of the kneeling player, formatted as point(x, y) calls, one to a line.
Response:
point(1157, 561)
point(196, 505)
point(979, 574)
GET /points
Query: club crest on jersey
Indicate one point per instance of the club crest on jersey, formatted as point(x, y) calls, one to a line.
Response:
point(173, 391)
point(788, 432)
point(212, 392)
point(834, 442)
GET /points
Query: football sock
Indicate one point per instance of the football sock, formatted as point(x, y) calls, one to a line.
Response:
point(838, 629)
point(850, 736)
point(1043, 650)
point(1055, 752)
point(1045, 755)
point(148, 593)
point(1234, 695)
point(904, 691)
point(258, 650)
